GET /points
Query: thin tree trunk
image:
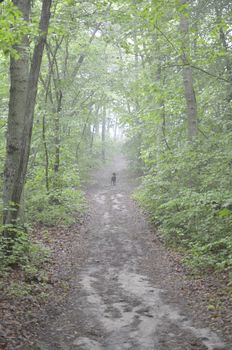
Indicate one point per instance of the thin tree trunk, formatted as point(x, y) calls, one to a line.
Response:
point(96, 126)
point(222, 36)
point(48, 93)
point(45, 152)
point(54, 71)
point(57, 133)
point(162, 103)
point(115, 128)
point(81, 138)
point(97, 129)
point(92, 140)
point(189, 91)
point(103, 134)
point(108, 122)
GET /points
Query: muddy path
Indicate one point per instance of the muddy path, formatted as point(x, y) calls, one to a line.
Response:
point(118, 298)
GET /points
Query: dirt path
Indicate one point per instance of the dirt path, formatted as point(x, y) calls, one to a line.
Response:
point(118, 300)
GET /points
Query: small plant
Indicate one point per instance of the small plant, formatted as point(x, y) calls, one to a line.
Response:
point(19, 289)
point(24, 254)
point(61, 206)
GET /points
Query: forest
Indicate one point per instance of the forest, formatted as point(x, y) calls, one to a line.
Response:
point(83, 81)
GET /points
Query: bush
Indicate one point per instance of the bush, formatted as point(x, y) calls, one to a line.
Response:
point(23, 252)
point(188, 196)
point(61, 205)
point(57, 207)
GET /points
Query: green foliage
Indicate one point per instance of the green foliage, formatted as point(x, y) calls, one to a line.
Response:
point(67, 142)
point(12, 27)
point(19, 290)
point(186, 186)
point(190, 202)
point(57, 208)
point(216, 254)
point(64, 203)
point(23, 252)
point(126, 62)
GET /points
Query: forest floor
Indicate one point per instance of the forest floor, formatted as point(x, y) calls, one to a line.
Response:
point(116, 286)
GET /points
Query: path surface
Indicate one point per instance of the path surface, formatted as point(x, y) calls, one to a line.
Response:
point(117, 301)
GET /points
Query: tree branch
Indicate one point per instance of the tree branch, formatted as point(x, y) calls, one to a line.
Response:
point(200, 69)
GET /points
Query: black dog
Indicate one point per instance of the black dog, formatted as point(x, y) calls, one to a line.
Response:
point(113, 179)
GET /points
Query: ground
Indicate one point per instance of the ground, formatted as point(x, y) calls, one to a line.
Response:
point(126, 289)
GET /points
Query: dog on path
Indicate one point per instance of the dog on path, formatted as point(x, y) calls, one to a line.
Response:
point(113, 179)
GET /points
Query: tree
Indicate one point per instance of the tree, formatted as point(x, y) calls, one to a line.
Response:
point(190, 95)
point(21, 111)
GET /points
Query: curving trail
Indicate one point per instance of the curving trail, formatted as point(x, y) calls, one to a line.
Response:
point(117, 301)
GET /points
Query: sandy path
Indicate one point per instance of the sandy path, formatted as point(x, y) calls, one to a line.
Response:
point(117, 301)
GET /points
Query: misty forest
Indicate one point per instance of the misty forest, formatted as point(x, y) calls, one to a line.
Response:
point(115, 164)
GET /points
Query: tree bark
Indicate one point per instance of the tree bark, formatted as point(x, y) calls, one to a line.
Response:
point(19, 71)
point(189, 91)
point(53, 75)
point(47, 88)
point(81, 138)
point(103, 134)
point(57, 132)
point(225, 46)
point(23, 85)
point(115, 128)
point(45, 152)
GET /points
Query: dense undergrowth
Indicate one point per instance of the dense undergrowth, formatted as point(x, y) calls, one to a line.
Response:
point(61, 205)
point(187, 194)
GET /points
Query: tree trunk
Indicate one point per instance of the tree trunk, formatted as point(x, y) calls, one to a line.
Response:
point(57, 132)
point(44, 136)
point(161, 102)
point(92, 139)
point(45, 152)
point(81, 138)
point(115, 128)
point(226, 47)
point(23, 85)
point(19, 71)
point(96, 126)
point(103, 134)
point(190, 96)
point(54, 75)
